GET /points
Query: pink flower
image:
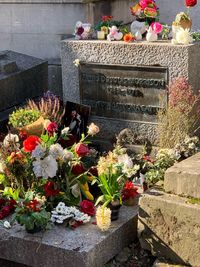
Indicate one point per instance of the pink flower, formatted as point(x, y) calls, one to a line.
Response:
point(146, 3)
point(157, 27)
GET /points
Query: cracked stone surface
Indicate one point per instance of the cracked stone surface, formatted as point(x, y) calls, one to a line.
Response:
point(169, 227)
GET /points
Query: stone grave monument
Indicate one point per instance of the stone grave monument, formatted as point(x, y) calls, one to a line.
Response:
point(125, 83)
point(169, 224)
point(21, 77)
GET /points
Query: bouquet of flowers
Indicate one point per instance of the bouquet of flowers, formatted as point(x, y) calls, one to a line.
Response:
point(145, 9)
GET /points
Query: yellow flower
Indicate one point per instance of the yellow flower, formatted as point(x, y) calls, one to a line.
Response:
point(105, 164)
point(103, 218)
point(86, 192)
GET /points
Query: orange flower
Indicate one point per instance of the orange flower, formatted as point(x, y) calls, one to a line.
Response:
point(136, 10)
point(128, 37)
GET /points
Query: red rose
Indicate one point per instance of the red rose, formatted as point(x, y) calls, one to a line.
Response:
point(78, 168)
point(30, 143)
point(50, 190)
point(87, 207)
point(190, 3)
point(81, 149)
point(52, 127)
point(23, 135)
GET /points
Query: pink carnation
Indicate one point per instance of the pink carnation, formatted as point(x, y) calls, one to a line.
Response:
point(157, 27)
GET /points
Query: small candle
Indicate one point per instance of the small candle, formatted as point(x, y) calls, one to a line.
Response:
point(101, 35)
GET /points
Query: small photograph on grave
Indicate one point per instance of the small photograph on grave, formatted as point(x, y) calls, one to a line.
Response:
point(76, 118)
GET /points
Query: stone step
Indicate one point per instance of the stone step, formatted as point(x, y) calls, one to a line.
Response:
point(85, 246)
point(184, 178)
point(170, 227)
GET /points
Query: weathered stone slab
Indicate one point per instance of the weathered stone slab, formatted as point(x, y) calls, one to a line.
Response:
point(21, 77)
point(184, 178)
point(170, 227)
point(86, 246)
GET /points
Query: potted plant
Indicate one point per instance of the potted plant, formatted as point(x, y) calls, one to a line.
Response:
point(130, 194)
point(113, 171)
point(31, 213)
point(28, 120)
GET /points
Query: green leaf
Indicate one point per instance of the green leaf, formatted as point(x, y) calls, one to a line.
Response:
point(2, 178)
point(99, 199)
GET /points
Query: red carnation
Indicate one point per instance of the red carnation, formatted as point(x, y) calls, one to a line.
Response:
point(30, 143)
point(78, 168)
point(52, 127)
point(5, 211)
point(50, 190)
point(87, 207)
point(190, 3)
point(129, 191)
point(81, 149)
point(107, 18)
point(34, 205)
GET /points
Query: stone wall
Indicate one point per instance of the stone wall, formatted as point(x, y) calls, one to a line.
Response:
point(36, 27)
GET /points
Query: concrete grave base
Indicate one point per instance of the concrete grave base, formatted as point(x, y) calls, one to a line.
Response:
point(86, 246)
point(184, 177)
point(170, 227)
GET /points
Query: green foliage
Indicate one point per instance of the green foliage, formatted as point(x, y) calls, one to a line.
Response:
point(111, 184)
point(31, 212)
point(196, 36)
point(108, 23)
point(10, 193)
point(22, 117)
point(194, 200)
point(32, 220)
point(164, 160)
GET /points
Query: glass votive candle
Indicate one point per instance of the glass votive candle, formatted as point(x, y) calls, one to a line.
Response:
point(101, 35)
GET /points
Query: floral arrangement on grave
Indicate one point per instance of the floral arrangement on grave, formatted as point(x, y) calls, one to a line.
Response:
point(105, 25)
point(145, 11)
point(32, 118)
point(114, 170)
point(31, 213)
point(182, 25)
point(82, 31)
point(39, 164)
point(27, 120)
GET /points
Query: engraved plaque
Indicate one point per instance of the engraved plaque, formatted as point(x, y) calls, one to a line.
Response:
point(124, 92)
